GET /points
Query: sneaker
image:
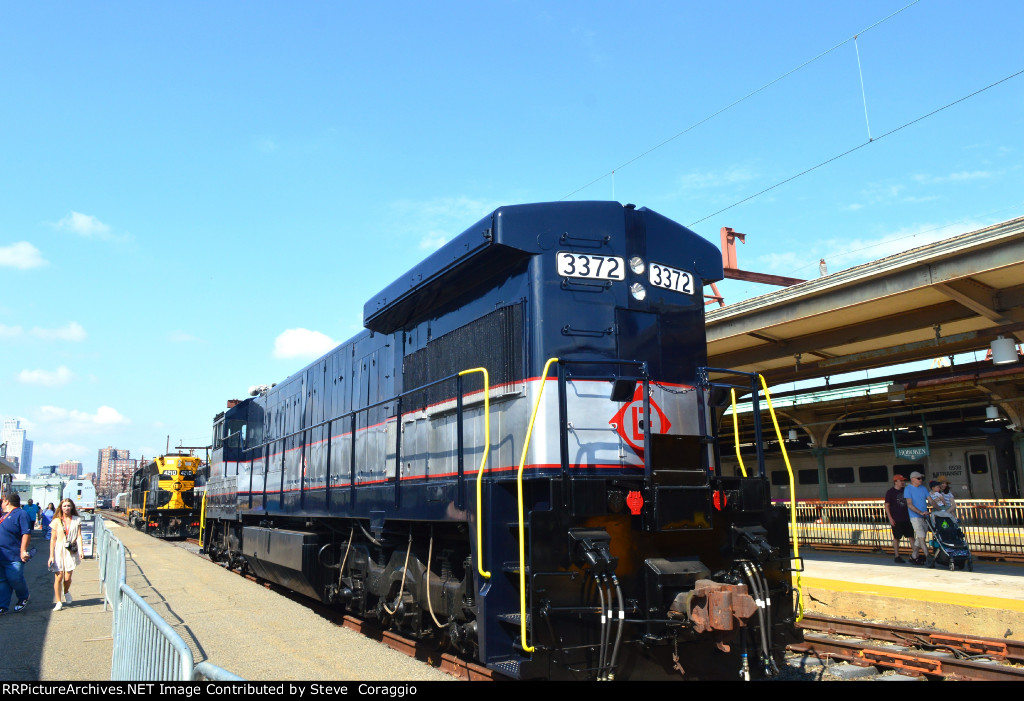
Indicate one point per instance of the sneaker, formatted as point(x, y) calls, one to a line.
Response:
point(921, 559)
point(3, 611)
point(58, 606)
point(20, 606)
point(67, 597)
point(899, 560)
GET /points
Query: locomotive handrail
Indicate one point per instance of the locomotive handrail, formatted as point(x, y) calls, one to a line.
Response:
point(519, 488)
point(483, 463)
point(792, 496)
point(736, 432)
point(704, 379)
point(352, 414)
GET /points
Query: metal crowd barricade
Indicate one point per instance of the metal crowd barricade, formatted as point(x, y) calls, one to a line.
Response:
point(993, 528)
point(146, 648)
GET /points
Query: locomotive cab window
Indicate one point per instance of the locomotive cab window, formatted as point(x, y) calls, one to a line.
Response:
point(780, 478)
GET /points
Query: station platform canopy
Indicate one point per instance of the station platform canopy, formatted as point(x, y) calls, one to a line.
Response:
point(927, 304)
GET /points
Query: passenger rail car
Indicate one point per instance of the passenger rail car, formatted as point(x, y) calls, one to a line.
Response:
point(516, 455)
point(161, 500)
point(976, 467)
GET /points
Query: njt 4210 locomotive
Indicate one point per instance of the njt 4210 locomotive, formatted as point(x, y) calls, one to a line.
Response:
point(161, 497)
point(518, 455)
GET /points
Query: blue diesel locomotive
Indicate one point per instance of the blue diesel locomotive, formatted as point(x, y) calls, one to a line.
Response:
point(519, 456)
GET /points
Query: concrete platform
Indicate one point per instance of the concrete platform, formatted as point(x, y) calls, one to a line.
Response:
point(225, 619)
point(988, 602)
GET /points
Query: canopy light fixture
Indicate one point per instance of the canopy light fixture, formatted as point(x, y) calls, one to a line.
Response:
point(1004, 350)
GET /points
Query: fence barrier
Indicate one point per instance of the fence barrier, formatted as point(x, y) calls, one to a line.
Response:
point(992, 528)
point(146, 648)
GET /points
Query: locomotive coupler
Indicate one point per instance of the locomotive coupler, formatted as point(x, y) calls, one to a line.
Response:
point(717, 608)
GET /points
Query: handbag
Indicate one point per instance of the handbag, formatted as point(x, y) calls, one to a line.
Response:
point(72, 546)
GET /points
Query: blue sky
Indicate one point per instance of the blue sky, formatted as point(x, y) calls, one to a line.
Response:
point(199, 197)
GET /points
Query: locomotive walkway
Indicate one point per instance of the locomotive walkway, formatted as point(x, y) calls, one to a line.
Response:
point(225, 619)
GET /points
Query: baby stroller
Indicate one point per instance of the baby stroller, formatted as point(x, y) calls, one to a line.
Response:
point(950, 546)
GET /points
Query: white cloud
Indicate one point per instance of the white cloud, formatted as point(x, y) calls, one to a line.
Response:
point(182, 337)
point(55, 453)
point(80, 420)
point(73, 331)
point(840, 254)
point(9, 331)
point(960, 177)
point(84, 225)
point(22, 255)
point(433, 241)
point(266, 145)
point(45, 378)
point(709, 179)
point(302, 343)
point(435, 222)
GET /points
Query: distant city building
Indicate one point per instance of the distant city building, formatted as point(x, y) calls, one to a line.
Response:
point(70, 468)
point(46, 470)
point(91, 476)
point(19, 448)
point(111, 464)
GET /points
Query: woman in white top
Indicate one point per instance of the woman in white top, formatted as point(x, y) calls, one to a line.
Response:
point(65, 550)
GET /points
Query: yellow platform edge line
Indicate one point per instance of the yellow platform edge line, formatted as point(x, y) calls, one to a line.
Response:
point(914, 594)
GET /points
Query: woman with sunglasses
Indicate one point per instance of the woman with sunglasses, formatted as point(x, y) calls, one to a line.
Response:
point(65, 550)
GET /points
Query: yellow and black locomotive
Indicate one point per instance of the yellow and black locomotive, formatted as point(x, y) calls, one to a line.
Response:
point(162, 497)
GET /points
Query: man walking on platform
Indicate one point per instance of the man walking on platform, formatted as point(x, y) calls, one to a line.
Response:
point(33, 512)
point(916, 496)
point(899, 515)
point(15, 534)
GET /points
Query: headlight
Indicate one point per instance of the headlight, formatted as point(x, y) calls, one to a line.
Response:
point(638, 291)
point(636, 264)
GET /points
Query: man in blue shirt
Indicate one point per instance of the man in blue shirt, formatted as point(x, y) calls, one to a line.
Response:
point(33, 512)
point(916, 496)
point(15, 534)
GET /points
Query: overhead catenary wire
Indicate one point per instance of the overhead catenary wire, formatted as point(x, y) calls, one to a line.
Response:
point(738, 101)
point(859, 146)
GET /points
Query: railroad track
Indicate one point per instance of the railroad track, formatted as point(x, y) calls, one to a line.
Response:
point(911, 651)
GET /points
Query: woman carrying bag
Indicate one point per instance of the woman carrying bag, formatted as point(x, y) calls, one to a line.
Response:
point(65, 550)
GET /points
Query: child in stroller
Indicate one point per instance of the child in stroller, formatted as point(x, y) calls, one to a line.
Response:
point(948, 541)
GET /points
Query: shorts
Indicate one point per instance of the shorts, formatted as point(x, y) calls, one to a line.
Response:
point(920, 528)
point(902, 529)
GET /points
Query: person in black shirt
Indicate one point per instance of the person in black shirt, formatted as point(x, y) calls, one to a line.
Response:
point(899, 516)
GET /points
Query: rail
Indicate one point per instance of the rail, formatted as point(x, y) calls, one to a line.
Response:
point(146, 648)
point(992, 528)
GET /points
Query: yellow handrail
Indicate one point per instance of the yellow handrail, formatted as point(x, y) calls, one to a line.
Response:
point(480, 472)
point(736, 432)
point(202, 520)
point(792, 500)
point(522, 535)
